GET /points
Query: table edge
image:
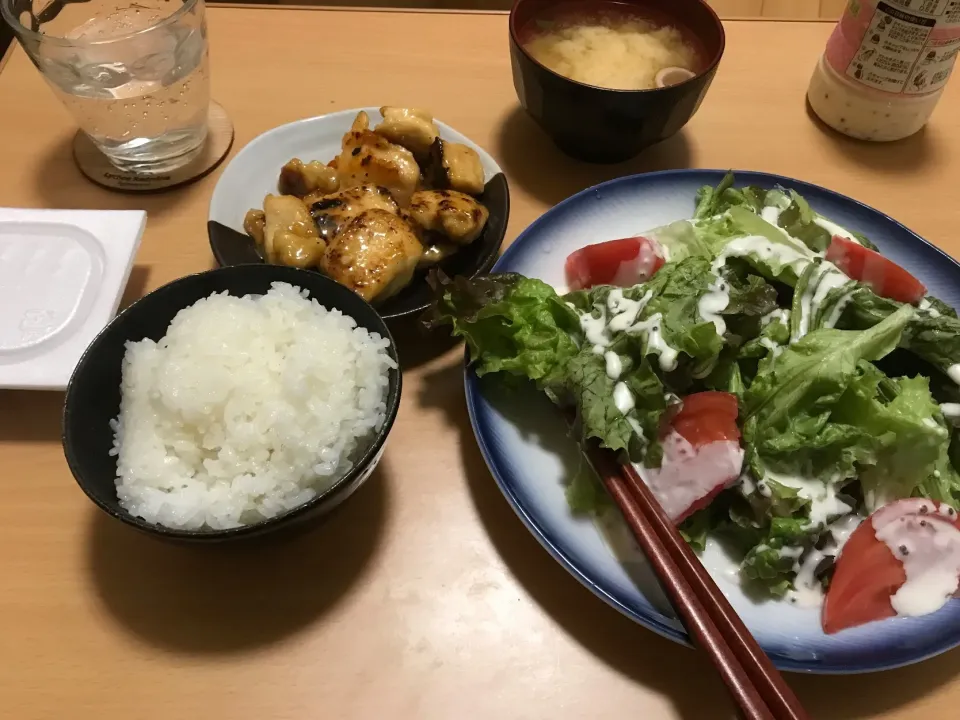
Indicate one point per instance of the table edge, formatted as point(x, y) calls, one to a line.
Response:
point(468, 11)
point(352, 9)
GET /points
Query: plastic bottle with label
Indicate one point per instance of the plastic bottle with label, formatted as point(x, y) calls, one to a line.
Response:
point(885, 67)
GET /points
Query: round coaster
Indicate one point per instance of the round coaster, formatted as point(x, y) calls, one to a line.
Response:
point(95, 165)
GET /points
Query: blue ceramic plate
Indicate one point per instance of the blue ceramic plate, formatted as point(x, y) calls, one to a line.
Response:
point(529, 453)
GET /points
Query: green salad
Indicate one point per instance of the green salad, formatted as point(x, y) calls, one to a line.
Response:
point(843, 370)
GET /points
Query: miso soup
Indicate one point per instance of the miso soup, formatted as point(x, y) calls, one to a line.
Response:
point(611, 45)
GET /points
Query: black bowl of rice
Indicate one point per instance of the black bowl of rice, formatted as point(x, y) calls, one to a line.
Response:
point(232, 403)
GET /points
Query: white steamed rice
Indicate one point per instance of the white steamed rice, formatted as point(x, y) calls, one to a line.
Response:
point(246, 408)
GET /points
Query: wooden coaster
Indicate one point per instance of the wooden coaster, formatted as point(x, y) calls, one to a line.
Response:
point(95, 165)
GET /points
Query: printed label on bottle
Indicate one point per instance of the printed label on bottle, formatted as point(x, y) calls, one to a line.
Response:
point(903, 47)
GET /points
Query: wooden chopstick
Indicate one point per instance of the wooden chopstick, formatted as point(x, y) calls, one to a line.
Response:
point(765, 676)
point(757, 687)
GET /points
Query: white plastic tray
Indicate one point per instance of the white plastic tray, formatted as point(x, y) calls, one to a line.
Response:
point(62, 273)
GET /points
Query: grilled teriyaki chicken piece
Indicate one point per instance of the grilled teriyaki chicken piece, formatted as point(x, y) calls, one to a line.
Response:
point(254, 223)
point(412, 128)
point(455, 216)
point(375, 255)
point(454, 166)
point(333, 212)
point(301, 179)
point(361, 122)
point(368, 158)
point(289, 234)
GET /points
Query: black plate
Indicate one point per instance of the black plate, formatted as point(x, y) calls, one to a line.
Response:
point(231, 247)
point(93, 395)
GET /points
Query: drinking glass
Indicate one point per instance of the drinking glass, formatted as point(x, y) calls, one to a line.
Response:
point(133, 73)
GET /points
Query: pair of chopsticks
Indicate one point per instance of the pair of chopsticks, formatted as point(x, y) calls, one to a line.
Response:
point(755, 684)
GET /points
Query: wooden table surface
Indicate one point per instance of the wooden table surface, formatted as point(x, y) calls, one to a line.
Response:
point(424, 596)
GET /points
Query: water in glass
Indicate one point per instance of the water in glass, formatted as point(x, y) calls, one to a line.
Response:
point(135, 76)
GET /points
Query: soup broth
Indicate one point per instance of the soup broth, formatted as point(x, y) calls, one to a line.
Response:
point(610, 45)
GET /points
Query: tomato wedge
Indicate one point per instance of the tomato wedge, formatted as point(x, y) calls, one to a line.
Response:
point(881, 275)
point(623, 263)
point(868, 573)
point(701, 454)
point(707, 417)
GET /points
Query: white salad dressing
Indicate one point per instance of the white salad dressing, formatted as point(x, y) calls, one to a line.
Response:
point(620, 315)
point(623, 398)
point(790, 551)
point(763, 249)
point(925, 539)
point(772, 346)
point(808, 592)
point(632, 422)
point(831, 278)
point(687, 475)
point(934, 425)
point(713, 302)
point(822, 494)
point(951, 411)
point(836, 312)
point(595, 330)
point(614, 364)
point(926, 306)
point(825, 279)
point(771, 214)
point(954, 372)
point(806, 302)
point(624, 311)
point(779, 315)
point(843, 528)
point(834, 229)
point(668, 356)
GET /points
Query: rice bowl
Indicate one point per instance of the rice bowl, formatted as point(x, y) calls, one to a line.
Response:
point(246, 408)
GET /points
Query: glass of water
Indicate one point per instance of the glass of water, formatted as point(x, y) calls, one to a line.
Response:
point(133, 73)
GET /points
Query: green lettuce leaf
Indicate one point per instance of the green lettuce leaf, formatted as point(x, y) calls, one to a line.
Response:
point(726, 375)
point(673, 294)
point(943, 481)
point(697, 527)
point(911, 438)
point(781, 258)
point(939, 306)
point(864, 240)
point(519, 326)
point(793, 408)
point(798, 220)
point(767, 565)
point(681, 239)
point(824, 443)
point(713, 201)
point(773, 336)
point(934, 337)
point(585, 493)
point(592, 390)
point(511, 324)
point(799, 315)
point(750, 296)
point(813, 372)
point(676, 297)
